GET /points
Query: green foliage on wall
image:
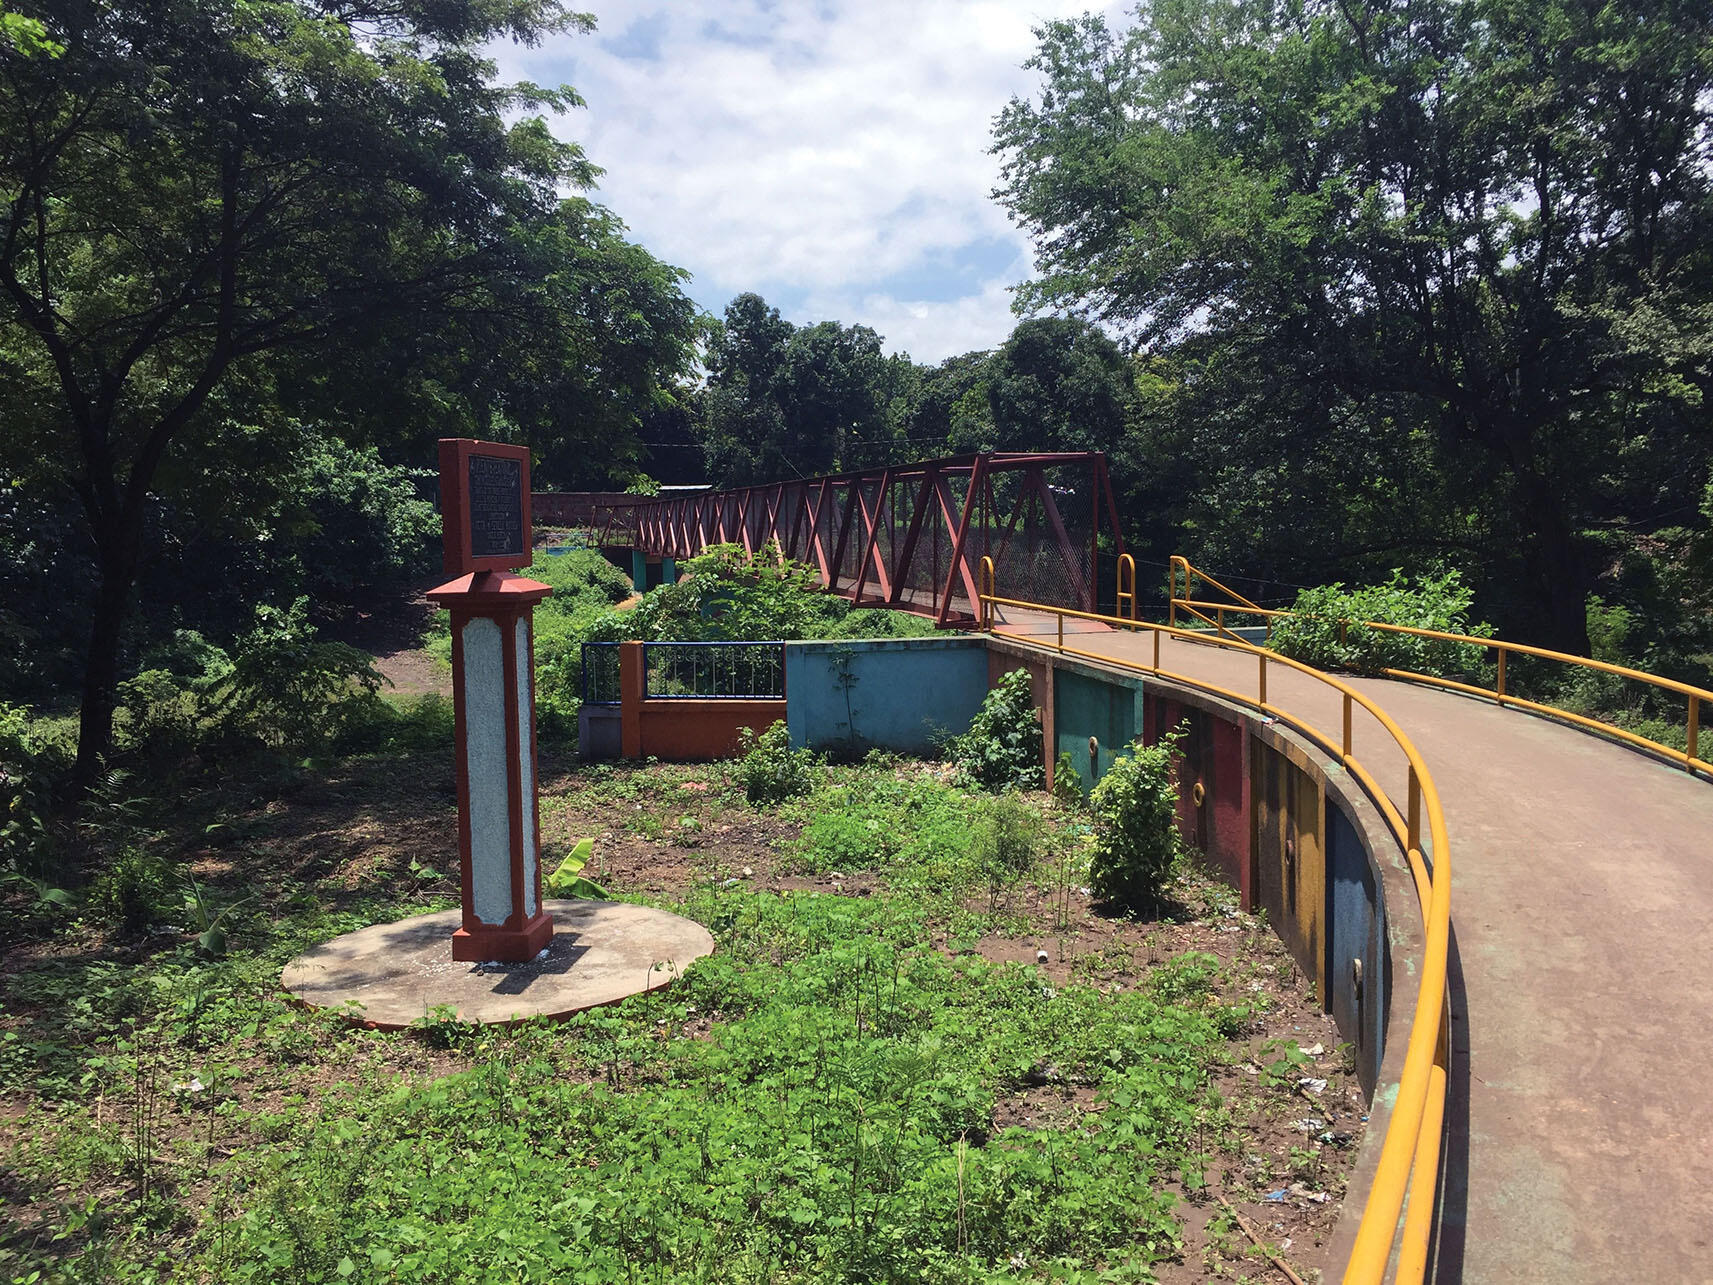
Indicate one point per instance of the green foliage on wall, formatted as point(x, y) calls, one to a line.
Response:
point(1002, 748)
point(1136, 845)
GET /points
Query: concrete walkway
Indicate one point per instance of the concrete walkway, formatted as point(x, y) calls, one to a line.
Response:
point(1580, 1124)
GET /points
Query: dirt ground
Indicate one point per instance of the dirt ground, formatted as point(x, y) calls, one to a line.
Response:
point(1295, 1110)
point(1297, 1131)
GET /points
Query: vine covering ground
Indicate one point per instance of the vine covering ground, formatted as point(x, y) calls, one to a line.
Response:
point(872, 1079)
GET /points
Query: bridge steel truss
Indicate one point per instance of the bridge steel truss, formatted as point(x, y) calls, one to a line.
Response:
point(911, 536)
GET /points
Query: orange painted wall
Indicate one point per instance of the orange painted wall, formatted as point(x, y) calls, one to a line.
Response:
point(1040, 691)
point(693, 730)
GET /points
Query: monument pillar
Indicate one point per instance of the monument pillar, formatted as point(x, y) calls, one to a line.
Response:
point(484, 499)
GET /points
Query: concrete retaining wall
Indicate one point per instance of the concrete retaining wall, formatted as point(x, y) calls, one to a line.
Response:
point(1287, 828)
point(904, 694)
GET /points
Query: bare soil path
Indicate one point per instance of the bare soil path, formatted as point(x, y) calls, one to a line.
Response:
point(393, 634)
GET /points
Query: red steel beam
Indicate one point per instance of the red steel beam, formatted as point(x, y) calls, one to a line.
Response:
point(796, 514)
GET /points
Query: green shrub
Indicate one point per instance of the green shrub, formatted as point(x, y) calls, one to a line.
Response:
point(289, 690)
point(581, 578)
point(1007, 837)
point(1136, 846)
point(770, 771)
point(1002, 749)
point(28, 766)
point(1006, 840)
point(134, 886)
point(159, 715)
point(727, 593)
point(1067, 782)
point(356, 524)
point(880, 622)
point(137, 889)
point(1441, 603)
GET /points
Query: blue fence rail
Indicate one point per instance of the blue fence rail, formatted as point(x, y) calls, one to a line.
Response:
point(600, 666)
point(714, 670)
point(688, 671)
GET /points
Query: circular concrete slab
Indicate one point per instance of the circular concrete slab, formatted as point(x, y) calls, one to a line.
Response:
point(390, 975)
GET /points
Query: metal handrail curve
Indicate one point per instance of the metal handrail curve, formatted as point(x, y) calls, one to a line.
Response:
point(1688, 758)
point(1409, 1155)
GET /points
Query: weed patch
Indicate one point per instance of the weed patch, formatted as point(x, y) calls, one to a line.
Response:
point(878, 1086)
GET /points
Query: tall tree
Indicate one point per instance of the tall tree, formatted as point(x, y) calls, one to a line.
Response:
point(786, 402)
point(949, 414)
point(1492, 216)
point(831, 392)
point(1058, 384)
point(205, 206)
point(741, 416)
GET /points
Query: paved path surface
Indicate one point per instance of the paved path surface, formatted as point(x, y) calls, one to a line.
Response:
point(1581, 1121)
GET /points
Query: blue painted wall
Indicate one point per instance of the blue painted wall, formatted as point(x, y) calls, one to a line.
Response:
point(1358, 931)
point(1108, 709)
point(897, 693)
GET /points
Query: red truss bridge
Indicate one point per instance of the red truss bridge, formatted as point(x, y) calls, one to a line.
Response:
point(911, 536)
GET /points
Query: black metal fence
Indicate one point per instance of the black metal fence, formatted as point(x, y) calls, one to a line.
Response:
point(714, 670)
point(688, 671)
point(600, 673)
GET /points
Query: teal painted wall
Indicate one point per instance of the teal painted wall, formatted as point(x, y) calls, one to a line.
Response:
point(894, 693)
point(1108, 709)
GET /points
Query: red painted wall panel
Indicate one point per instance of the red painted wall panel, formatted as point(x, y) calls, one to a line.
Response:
point(1227, 785)
point(1214, 758)
point(687, 731)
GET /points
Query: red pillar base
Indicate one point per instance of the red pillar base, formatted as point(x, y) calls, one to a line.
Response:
point(502, 944)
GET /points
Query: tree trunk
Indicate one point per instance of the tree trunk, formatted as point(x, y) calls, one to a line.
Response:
point(1557, 571)
point(116, 552)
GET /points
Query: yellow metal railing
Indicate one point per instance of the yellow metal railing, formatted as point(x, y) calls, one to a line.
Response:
point(1688, 758)
point(1409, 1155)
point(1126, 575)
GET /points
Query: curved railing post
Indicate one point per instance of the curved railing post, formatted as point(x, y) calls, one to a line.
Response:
point(985, 592)
point(1123, 595)
point(1687, 756)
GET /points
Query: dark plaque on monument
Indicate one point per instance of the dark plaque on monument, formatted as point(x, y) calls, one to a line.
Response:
point(484, 505)
point(496, 506)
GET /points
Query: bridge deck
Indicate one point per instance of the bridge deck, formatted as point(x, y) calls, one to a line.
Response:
point(1580, 1139)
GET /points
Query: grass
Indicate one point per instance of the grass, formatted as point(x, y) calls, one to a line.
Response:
point(864, 1082)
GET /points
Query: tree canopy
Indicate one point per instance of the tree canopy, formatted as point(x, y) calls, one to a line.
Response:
point(216, 216)
point(786, 401)
point(1473, 227)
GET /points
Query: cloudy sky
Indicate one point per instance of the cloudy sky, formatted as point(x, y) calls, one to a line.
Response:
point(828, 154)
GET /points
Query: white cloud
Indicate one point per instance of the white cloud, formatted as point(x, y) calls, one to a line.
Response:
point(830, 156)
